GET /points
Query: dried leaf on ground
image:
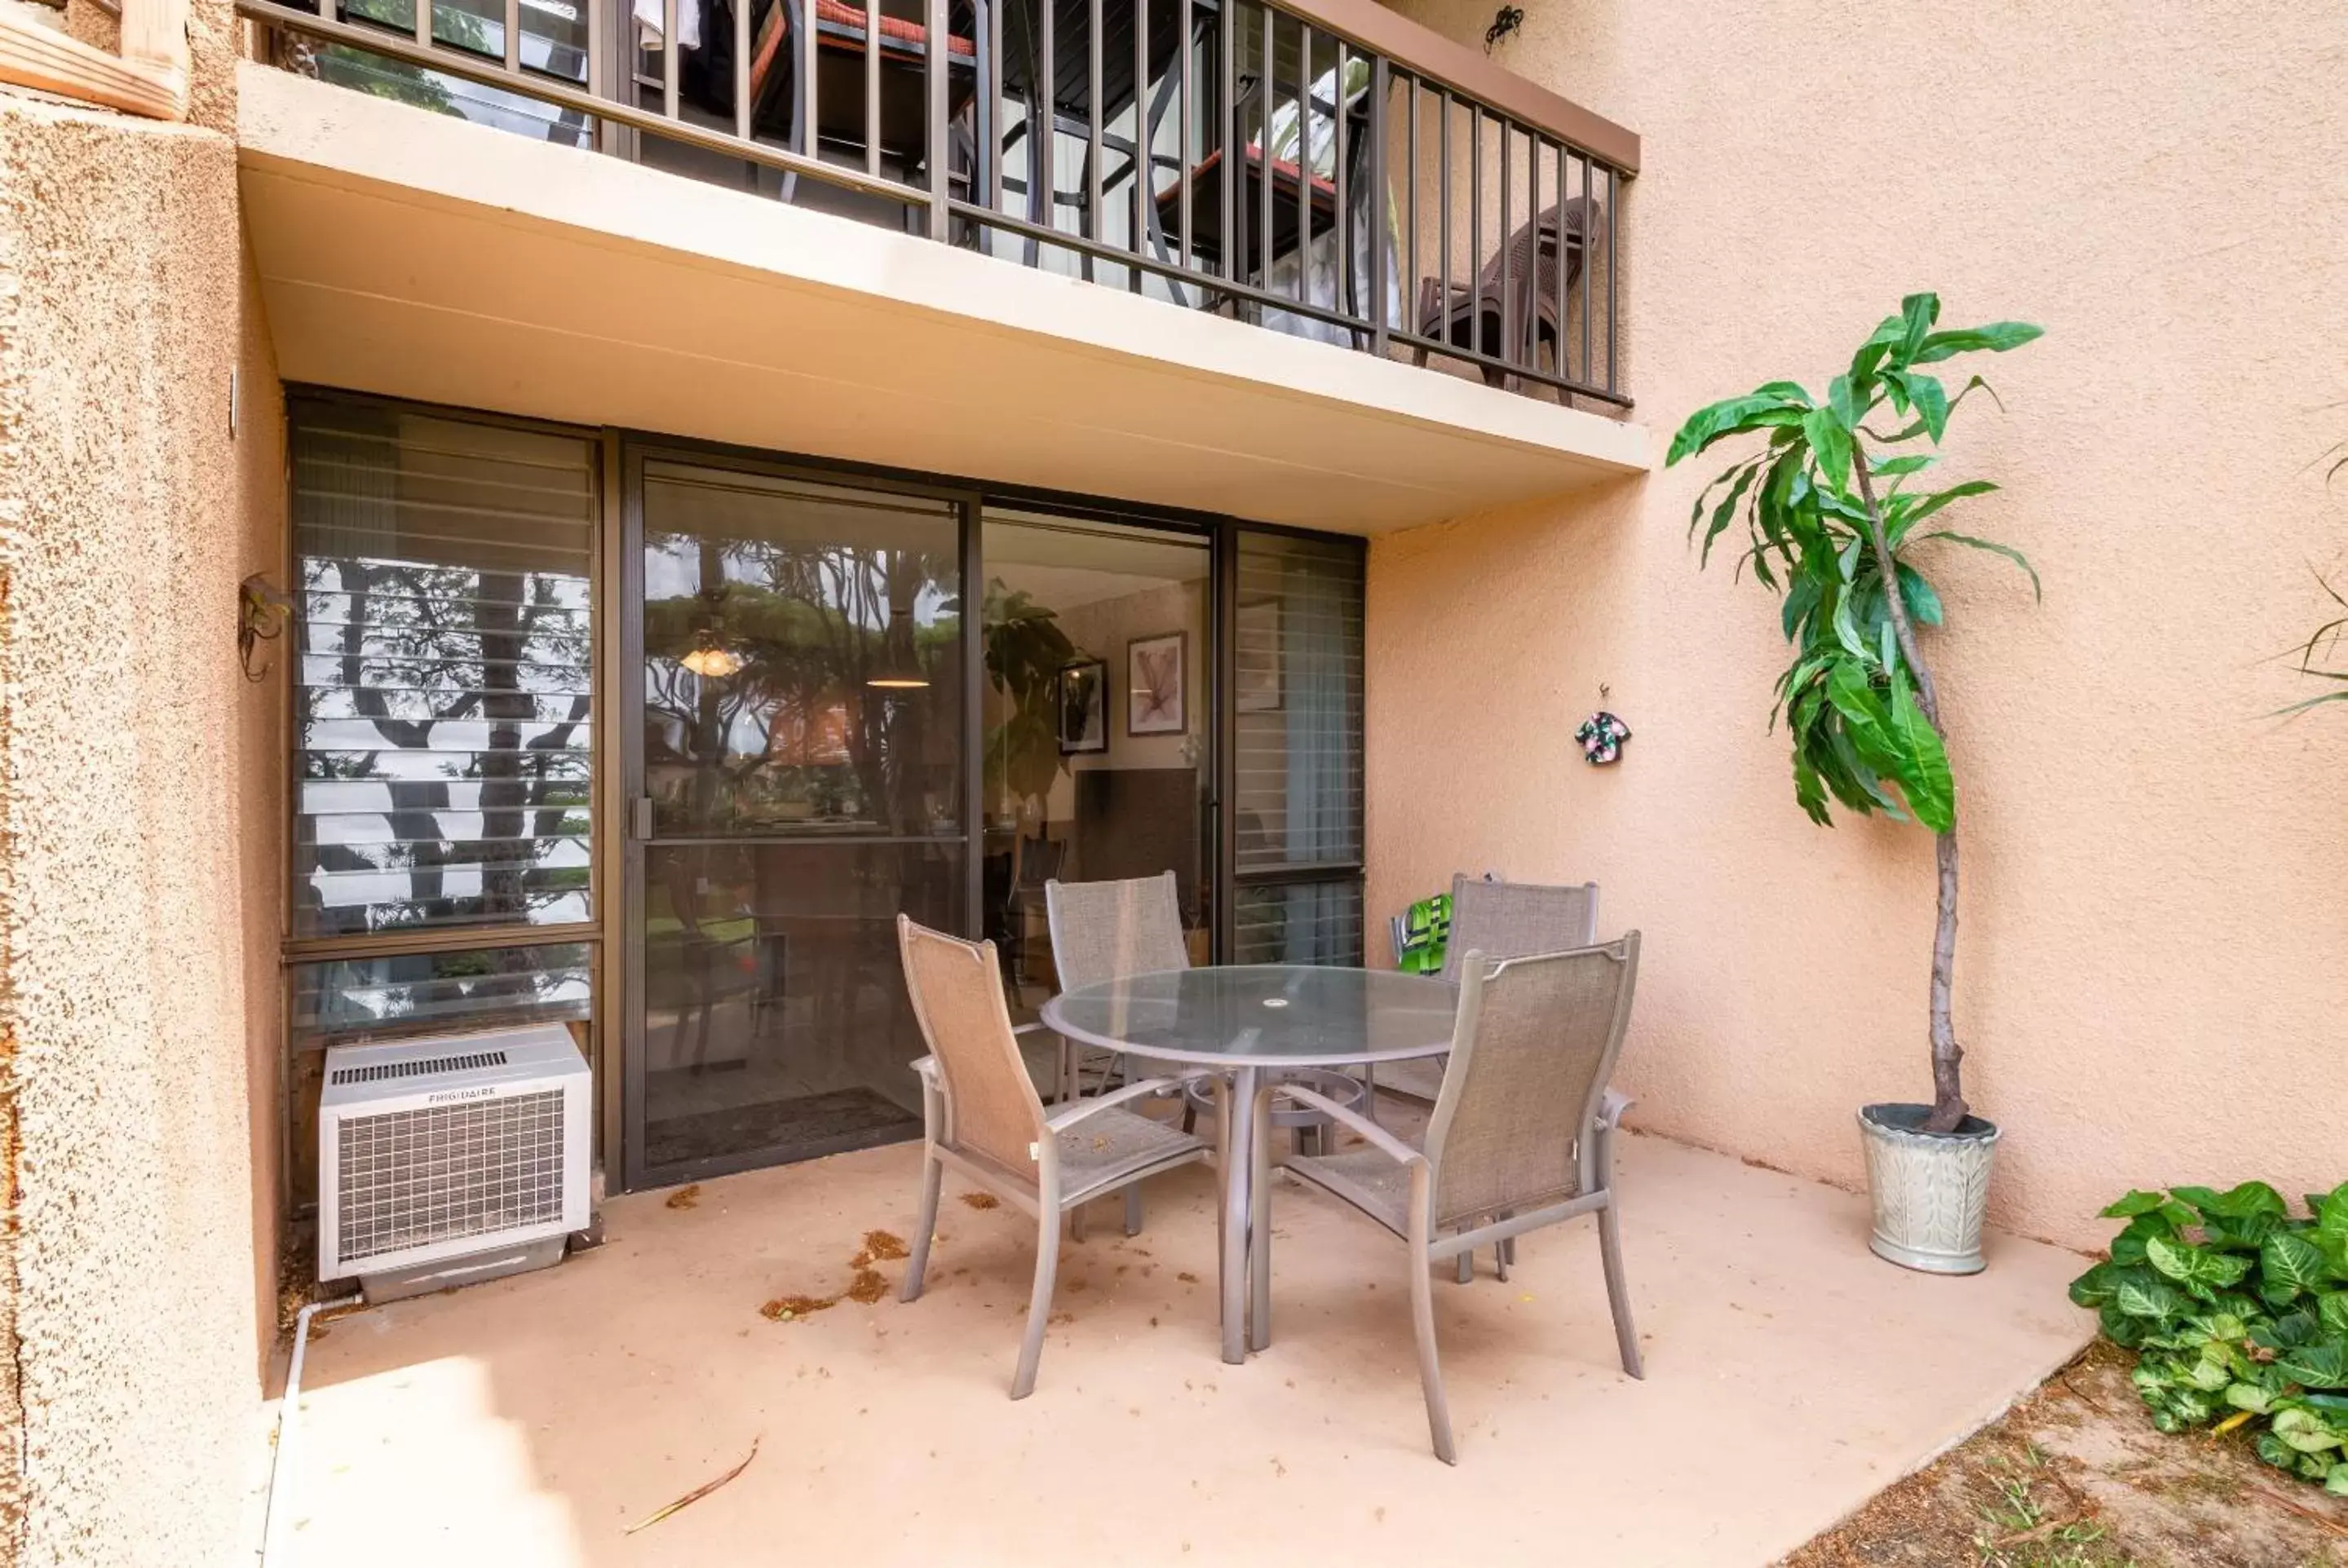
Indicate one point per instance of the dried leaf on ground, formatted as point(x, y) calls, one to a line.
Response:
point(698, 1493)
point(883, 1245)
point(783, 1309)
point(684, 1197)
point(982, 1200)
point(867, 1287)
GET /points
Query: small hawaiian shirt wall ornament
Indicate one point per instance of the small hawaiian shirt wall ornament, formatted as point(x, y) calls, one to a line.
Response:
point(1601, 736)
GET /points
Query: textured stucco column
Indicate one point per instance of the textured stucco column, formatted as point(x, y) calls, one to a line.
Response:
point(138, 812)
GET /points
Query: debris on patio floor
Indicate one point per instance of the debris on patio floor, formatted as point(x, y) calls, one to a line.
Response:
point(696, 1495)
point(880, 1246)
point(683, 1197)
point(867, 1285)
point(2075, 1476)
point(545, 1413)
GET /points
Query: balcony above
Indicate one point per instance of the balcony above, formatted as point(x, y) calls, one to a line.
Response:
point(711, 281)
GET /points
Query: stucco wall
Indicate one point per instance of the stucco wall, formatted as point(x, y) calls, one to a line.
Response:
point(133, 815)
point(2151, 968)
point(259, 446)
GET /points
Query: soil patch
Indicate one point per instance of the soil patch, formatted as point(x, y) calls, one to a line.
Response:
point(2075, 1476)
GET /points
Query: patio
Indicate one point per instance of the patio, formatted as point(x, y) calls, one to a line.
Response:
point(530, 1422)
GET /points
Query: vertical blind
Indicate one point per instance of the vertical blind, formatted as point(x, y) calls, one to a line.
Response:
point(1297, 800)
point(443, 710)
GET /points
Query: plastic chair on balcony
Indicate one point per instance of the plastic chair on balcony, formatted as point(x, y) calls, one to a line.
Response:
point(1513, 321)
point(981, 1114)
point(1522, 1137)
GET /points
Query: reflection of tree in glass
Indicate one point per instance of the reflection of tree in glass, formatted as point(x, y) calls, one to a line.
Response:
point(418, 648)
point(797, 730)
point(1026, 652)
point(396, 80)
point(403, 994)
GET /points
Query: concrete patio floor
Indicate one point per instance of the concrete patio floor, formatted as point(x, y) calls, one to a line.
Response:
point(1790, 1375)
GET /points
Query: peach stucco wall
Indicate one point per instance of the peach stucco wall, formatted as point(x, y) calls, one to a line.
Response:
point(2152, 969)
point(138, 827)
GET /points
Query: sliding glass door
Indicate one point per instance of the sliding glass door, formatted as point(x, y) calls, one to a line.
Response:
point(1097, 721)
point(845, 699)
point(796, 779)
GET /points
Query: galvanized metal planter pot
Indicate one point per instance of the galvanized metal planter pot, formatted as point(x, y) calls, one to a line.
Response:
point(1930, 1188)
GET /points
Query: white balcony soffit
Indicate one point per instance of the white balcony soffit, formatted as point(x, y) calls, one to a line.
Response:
point(414, 254)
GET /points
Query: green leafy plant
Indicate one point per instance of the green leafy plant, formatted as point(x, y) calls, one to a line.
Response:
point(2237, 1311)
point(1026, 652)
point(2319, 656)
point(1834, 513)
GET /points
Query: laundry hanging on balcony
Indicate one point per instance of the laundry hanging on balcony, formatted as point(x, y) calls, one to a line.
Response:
point(652, 21)
point(1331, 279)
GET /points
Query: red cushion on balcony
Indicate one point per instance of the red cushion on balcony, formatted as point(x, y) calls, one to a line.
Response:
point(894, 29)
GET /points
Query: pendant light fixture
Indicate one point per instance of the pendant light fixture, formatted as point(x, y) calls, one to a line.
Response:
point(898, 671)
point(711, 662)
point(711, 658)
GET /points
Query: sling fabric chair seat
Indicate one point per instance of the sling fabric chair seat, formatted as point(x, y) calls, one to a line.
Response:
point(981, 1114)
point(1521, 1137)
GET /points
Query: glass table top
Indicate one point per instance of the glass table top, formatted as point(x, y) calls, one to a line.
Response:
point(1293, 1015)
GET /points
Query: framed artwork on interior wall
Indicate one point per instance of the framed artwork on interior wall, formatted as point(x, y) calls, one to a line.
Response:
point(1081, 697)
point(1255, 686)
point(1153, 683)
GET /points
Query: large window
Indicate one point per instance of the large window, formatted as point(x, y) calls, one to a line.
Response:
point(443, 729)
point(823, 722)
point(1296, 724)
point(443, 716)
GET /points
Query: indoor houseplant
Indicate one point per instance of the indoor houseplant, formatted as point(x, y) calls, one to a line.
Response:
point(1026, 652)
point(1837, 504)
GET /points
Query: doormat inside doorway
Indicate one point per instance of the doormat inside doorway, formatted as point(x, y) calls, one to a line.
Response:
point(816, 1123)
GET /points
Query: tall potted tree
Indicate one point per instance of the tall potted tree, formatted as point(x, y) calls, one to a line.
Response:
point(1835, 511)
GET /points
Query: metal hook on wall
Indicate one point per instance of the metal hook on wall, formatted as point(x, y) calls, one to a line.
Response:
point(263, 613)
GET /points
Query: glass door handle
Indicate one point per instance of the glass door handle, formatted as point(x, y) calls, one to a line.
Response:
point(640, 818)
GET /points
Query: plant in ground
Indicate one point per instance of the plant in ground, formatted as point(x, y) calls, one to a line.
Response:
point(1831, 522)
point(2238, 1310)
point(2017, 1533)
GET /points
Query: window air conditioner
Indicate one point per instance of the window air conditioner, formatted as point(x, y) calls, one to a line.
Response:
point(450, 1159)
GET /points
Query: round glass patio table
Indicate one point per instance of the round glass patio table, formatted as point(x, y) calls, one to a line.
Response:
point(1246, 1020)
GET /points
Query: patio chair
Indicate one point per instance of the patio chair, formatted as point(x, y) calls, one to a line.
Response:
point(1477, 316)
point(981, 1114)
point(1501, 920)
point(1522, 1137)
point(1107, 930)
point(1516, 920)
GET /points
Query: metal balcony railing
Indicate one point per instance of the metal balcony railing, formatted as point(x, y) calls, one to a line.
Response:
point(1318, 166)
